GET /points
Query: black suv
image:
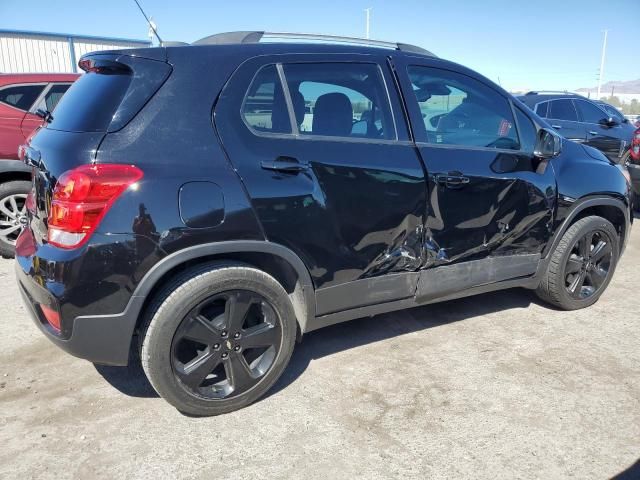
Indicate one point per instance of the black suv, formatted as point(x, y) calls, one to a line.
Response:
point(209, 204)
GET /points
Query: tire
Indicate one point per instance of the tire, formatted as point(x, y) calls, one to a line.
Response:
point(18, 191)
point(571, 255)
point(179, 340)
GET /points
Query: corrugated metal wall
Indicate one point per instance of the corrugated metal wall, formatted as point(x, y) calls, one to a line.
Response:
point(23, 52)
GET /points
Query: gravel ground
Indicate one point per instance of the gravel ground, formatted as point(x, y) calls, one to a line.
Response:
point(494, 386)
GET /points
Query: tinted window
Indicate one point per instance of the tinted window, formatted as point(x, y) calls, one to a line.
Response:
point(458, 110)
point(527, 131)
point(21, 96)
point(340, 100)
point(541, 109)
point(54, 95)
point(613, 113)
point(91, 102)
point(264, 108)
point(589, 112)
point(562, 110)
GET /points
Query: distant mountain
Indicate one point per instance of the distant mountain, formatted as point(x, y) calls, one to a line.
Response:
point(630, 86)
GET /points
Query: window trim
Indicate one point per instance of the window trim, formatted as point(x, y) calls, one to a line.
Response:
point(423, 143)
point(25, 84)
point(296, 134)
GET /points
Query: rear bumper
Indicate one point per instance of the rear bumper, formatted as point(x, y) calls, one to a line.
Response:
point(104, 339)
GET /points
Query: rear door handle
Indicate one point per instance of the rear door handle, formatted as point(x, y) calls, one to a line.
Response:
point(452, 180)
point(557, 127)
point(284, 164)
point(592, 132)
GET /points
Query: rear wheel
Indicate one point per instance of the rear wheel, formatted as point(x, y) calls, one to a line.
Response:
point(13, 214)
point(218, 338)
point(582, 264)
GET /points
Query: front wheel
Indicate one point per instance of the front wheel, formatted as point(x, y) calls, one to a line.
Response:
point(582, 264)
point(218, 338)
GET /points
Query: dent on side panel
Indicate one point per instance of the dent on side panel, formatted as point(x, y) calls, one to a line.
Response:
point(496, 214)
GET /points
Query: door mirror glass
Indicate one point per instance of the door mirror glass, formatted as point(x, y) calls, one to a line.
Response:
point(549, 144)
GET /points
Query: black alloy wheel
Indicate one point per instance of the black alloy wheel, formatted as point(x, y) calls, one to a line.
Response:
point(226, 344)
point(588, 264)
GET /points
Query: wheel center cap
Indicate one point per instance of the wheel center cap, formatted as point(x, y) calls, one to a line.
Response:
point(23, 220)
point(228, 344)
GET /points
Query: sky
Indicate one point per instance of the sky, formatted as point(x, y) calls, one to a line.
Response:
point(523, 45)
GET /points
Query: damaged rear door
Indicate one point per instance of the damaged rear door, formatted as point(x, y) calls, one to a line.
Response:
point(320, 143)
point(490, 201)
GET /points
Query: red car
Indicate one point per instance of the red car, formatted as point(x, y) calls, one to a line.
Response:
point(21, 95)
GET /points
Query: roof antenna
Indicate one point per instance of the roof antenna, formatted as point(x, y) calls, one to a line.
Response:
point(152, 25)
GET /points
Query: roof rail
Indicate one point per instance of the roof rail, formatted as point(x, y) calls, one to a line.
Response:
point(255, 37)
point(557, 92)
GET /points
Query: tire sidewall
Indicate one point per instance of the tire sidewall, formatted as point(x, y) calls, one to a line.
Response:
point(595, 223)
point(158, 339)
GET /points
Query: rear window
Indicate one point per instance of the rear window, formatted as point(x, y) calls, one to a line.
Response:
point(21, 96)
point(91, 102)
point(110, 94)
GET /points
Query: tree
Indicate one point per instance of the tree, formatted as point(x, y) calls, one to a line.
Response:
point(615, 101)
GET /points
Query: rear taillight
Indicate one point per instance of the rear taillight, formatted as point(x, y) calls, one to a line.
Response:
point(51, 316)
point(83, 196)
point(635, 146)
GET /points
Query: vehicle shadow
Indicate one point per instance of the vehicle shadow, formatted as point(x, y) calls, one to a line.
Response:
point(132, 381)
point(363, 331)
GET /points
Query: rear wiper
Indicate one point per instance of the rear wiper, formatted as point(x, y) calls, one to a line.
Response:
point(45, 115)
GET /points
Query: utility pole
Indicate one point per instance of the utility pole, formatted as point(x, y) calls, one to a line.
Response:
point(368, 11)
point(604, 50)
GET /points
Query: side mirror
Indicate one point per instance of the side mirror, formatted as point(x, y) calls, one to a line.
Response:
point(609, 122)
point(548, 145)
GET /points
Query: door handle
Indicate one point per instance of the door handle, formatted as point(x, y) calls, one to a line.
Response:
point(452, 180)
point(284, 164)
point(592, 132)
point(557, 127)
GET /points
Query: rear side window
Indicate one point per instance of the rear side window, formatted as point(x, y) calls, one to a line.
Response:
point(340, 100)
point(562, 110)
point(264, 108)
point(459, 110)
point(541, 109)
point(54, 95)
point(21, 96)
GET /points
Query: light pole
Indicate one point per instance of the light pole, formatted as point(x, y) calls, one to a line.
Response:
point(604, 50)
point(368, 11)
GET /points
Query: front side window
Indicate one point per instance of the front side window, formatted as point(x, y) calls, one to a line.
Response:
point(458, 110)
point(264, 108)
point(21, 96)
point(589, 112)
point(562, 110)
point(340, 100)
point(614, 113)
point(527, 130)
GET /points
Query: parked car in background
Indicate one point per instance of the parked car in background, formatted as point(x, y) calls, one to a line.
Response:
point(21, 96)
point(212, 216)
point(591, 122)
